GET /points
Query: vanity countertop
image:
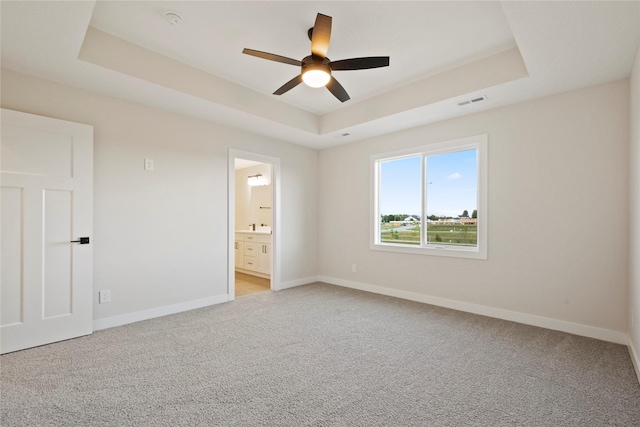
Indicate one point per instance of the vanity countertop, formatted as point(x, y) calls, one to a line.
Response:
point(265, 233)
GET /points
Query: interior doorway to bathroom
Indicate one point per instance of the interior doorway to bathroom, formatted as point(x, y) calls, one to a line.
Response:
point(253, 213)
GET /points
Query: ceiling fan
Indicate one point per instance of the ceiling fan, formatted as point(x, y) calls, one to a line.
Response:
point(317, 68)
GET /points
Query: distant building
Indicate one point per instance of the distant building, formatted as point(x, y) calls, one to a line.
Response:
point(447, 221)
point(469, 221)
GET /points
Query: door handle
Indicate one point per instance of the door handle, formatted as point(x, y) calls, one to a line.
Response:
point(82, 241)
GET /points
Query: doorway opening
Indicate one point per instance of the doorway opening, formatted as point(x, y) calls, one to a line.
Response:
point(253, 223)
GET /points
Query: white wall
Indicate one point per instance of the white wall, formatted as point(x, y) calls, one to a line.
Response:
point(634, 215)
point(558, 215)
point(161, 236)
point(558, 163)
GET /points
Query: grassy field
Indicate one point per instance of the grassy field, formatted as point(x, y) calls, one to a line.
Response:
point(457, 235)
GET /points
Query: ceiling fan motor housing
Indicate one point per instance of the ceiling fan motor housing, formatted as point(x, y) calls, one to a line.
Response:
point(313, 62)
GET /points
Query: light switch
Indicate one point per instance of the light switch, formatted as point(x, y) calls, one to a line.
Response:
point(148, 164)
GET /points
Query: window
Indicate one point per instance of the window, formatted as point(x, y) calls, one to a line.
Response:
point(432, 199)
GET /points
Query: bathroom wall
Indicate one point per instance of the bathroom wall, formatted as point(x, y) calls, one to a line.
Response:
point(245, 215)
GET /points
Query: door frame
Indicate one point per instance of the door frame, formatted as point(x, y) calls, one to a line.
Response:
point(231, 217)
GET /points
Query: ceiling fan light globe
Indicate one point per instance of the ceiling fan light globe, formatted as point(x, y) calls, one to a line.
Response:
point(316, 78)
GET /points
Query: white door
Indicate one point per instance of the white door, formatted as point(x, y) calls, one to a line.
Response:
point(47, 202)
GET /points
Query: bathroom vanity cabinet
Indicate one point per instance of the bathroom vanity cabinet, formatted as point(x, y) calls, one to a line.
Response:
point(253, 253)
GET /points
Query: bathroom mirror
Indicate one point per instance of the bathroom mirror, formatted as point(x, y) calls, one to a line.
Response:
point(261, 205)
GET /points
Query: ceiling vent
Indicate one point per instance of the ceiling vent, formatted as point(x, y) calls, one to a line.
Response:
point(472, 100)
point(342, 135)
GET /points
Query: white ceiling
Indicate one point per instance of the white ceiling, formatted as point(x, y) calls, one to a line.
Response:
point(441, 53)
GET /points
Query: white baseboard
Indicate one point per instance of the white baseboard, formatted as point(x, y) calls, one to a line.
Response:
point(635, 358)
point(297, 282)
point(498, 313)
point(124, 319)
point(253, 273)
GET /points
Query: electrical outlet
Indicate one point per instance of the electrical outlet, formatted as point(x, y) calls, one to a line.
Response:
point(148, 164)
point(104, 297)
point(353, 268)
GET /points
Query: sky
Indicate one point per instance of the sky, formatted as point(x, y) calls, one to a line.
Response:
point(452, 184)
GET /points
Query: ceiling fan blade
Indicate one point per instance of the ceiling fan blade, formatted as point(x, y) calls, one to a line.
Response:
point(360, 63)
point(321, 35)
point(337, 90)
point(272, 57)
point(289, 85)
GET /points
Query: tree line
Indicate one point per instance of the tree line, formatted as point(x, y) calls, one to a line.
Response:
point(402, 217)
point(398, 217)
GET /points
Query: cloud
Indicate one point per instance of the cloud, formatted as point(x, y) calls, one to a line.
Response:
point(454, 176)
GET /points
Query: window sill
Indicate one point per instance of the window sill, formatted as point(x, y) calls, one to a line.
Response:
point(446, 251)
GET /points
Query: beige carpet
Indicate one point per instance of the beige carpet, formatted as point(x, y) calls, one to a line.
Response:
point(320, 355)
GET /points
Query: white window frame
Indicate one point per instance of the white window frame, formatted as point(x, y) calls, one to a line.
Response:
point(477, 142)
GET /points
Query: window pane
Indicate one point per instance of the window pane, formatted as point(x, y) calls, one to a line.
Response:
point(452, 198)
point(400, 201)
